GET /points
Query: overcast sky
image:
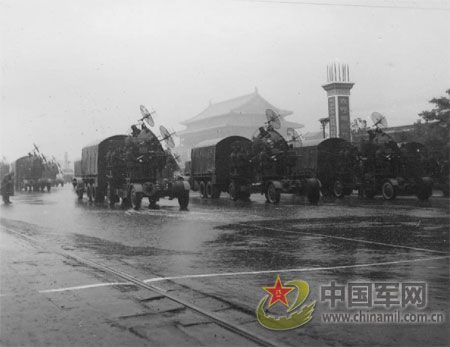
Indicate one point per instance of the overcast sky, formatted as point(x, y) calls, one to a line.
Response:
point(76, 71)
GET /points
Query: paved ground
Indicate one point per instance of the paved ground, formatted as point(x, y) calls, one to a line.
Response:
point(215, 258)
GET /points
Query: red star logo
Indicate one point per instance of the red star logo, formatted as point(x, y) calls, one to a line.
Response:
point(278, 293)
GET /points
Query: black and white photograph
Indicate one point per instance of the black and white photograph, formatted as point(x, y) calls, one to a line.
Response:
point(225, 173)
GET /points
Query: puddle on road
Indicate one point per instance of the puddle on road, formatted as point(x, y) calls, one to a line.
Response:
point(107, 247)
point(430, 233)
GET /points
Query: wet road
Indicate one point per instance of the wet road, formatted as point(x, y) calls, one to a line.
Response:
point(217, 256)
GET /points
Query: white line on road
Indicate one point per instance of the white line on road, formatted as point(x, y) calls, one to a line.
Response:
point(310, 269)
point(87, 286)
point(243, 273)
point(231, 274)
point(343, 238)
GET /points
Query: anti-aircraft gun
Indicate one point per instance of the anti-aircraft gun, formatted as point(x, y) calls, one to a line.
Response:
point(275, 166)
point(34, 172)
point(131, 167)
point(390, 169)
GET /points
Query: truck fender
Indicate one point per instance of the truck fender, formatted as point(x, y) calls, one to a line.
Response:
point(179, 187)
point(138, 187)
point(428, 181)
point(277, 184)
point(393, 181)
point(187, 186)
point(313, 183)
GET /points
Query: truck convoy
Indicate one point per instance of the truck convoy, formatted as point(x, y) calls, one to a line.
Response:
point(34, 172)
point(268, 164)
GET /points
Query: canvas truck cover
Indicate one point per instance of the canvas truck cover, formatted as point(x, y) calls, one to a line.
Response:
point(212, 157)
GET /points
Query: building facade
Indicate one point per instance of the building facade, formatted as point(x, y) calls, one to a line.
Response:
point(238, 116)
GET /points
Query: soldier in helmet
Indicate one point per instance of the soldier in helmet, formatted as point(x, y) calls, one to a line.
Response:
point(135, 131)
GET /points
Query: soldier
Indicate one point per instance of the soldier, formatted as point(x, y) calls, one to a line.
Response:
point(135, 131)
point(7, 188)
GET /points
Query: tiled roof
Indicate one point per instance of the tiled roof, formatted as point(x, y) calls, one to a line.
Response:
point(247, 104)
point(205, 127)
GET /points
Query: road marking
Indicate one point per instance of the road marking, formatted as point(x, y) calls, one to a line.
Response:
point(343, 238)
point(311, 269)
point(87, 286)
point(231, 274)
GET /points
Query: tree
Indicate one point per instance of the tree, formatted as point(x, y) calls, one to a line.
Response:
point(433, 127)
point(358, 126)
point(324, 122)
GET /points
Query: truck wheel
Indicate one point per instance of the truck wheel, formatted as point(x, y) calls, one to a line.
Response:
point(215, 192)
point(5, 198)
point(445, 191)
point(273, 194)
point(152, 203)
point(112, 197)
point(313, 191)
point(183, 200)
point(99, 194)
point(368, 193)
point(208, 190)
point(348, 191)
point(125, 203)
point(136, 200)
point(49, 187)
point(245, 196)
point(232, 190)
point(203, 190)
point(388, 191)
point(424, 191)
point(338, 189)
point(90, 192)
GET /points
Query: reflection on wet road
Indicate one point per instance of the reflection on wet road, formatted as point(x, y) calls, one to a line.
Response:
point(230, 250)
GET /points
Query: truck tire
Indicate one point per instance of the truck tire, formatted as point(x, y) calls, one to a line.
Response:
point(368, 193)
point(136, 200)
point(90, 192)
point(126, 204)
point(445, 190)
point(424, 191)
point(338, 189)
point(183, 200)
point(273, 194)
point(233, 191)
point(388, 190)
point(153, 203)
point(313, 191)
point(215, 192)
point(203, 190)
point(209, 190)
point(348, 191)
point(99, 194)
point(245, 196)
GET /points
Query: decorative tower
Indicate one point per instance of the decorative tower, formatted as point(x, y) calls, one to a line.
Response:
point(338, 92)
point(66, 161)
